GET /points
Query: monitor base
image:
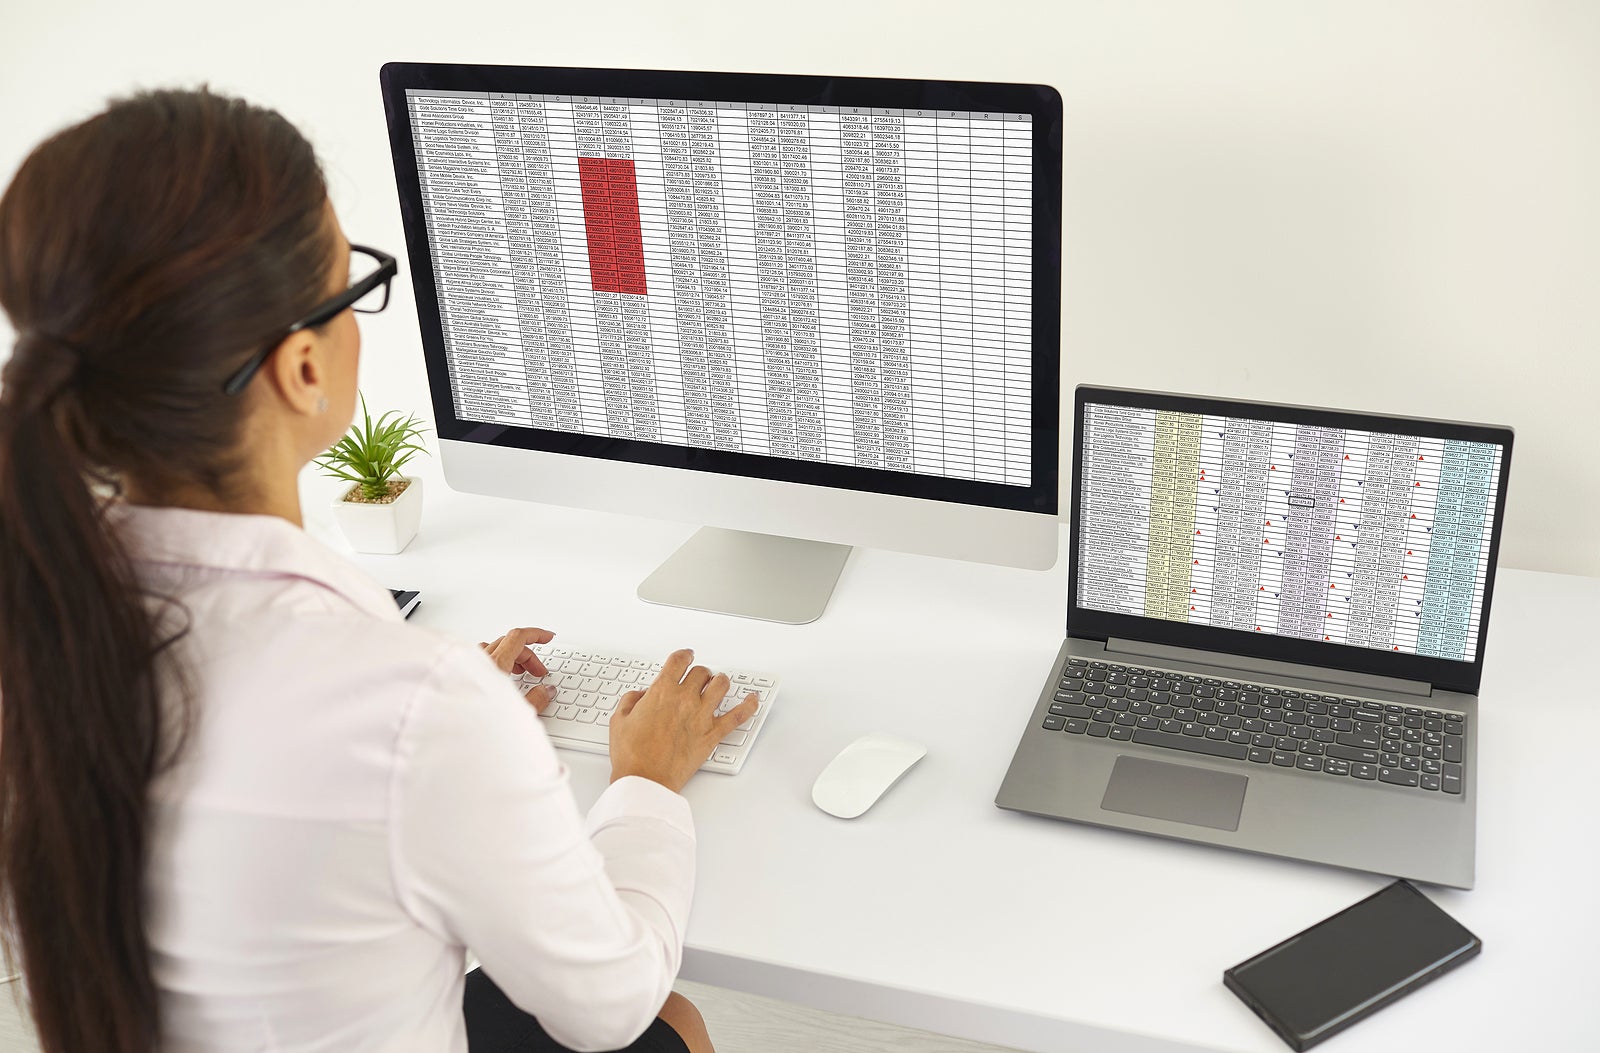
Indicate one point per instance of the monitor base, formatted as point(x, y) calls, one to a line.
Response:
point(761, 576)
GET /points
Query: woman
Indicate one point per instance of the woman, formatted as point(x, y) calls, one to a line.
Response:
point(245, 805)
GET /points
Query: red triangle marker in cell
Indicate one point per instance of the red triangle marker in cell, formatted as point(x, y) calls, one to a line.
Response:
point(1408, 552)
point(1413, 515)
point(1191, 608)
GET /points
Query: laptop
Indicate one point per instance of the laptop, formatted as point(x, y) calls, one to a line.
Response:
point(1276, 627)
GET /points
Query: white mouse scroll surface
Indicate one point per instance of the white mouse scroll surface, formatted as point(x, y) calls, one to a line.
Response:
point(861, 773)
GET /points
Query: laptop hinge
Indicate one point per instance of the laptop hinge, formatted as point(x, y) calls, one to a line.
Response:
point(1266, 666)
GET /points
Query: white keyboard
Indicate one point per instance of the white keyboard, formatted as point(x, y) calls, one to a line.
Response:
point(589, 684)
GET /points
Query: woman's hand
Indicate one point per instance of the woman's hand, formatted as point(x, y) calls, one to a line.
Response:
point(511, 654)
point(666, 732)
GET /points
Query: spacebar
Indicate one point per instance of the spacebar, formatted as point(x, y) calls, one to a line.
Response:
point(1210, 747)
point(572, 729)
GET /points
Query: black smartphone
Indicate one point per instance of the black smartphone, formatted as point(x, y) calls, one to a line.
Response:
point(406, 601)
point(1346, 967)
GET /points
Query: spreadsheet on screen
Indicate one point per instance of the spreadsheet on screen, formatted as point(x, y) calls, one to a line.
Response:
point(1329, 534)
point(841, 284)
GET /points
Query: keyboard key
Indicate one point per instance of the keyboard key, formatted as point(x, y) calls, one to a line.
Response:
point(1193, 730)
point(1260, 756)
point(1076, 726)
point(1104, 716)
point(1364, 771)
point(1099, 731)
point(1191, 745)
point(1053, 723)
point(1351, 753)
point(1452, 778)
point(1125, 720)
point(1397, 777)
point(1452, 748)
point(1305, 763)
point(1430, 782)
point(1219, 734)
point(1120, 732)
point(1283, 760)
point(1334, 766)
point(1359, 741)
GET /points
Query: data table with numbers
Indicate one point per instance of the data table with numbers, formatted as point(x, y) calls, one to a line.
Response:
point(1330, 534)
point(839, 284)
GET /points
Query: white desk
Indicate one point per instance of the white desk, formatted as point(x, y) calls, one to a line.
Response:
point(936, 909)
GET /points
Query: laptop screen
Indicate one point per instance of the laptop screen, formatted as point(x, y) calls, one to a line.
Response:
point(1361, 532)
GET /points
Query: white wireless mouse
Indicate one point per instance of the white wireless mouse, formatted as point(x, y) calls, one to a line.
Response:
point(861, 773)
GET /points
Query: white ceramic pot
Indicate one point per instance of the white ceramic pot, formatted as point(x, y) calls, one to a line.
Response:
point(383, 529)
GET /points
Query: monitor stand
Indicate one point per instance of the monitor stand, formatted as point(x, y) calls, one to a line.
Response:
point(773, 579)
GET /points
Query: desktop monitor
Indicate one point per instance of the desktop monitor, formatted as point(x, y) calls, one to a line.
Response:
point(807, 313)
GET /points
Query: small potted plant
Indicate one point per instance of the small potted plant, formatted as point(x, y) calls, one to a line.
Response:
point(380, 513)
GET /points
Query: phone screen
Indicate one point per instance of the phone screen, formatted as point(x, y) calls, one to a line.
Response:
point(1316, 983)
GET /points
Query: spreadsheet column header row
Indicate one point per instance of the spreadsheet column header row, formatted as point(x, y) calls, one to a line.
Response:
point(756, 107)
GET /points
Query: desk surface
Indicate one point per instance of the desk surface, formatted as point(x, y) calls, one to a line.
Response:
point(940, 911)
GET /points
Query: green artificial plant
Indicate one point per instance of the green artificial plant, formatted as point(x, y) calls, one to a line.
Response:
point(373, 452)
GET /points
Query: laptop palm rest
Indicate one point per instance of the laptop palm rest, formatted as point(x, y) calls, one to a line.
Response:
point(1177, 792)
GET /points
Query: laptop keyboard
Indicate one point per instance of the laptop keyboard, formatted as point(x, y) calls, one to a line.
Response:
point(1333, 735)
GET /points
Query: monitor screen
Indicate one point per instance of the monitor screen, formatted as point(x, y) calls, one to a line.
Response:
point(1363, 538)
point(821, 280)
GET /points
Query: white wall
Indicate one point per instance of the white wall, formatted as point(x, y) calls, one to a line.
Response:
point(1380, 205)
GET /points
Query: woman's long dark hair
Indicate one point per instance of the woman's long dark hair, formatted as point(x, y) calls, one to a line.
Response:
point(145, 254)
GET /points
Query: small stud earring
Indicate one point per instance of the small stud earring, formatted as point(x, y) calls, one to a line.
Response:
point(322, 403)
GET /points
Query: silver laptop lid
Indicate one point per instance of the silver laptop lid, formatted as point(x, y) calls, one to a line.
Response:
point(1324, 537)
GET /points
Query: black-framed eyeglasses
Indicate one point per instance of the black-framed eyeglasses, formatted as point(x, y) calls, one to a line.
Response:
point(369, 295)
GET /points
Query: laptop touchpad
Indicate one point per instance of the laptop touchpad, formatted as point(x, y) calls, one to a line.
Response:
point(1176, 792)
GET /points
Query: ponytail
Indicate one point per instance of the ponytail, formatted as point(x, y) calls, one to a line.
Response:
point(80, 725)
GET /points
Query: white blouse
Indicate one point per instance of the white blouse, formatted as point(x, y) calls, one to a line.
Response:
point(362, 799)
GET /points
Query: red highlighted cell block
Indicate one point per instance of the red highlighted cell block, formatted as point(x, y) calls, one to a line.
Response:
point(611, 224)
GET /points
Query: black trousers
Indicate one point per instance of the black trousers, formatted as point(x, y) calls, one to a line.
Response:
point(495, 1025)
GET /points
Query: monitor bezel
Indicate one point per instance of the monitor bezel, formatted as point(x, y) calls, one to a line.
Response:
point(1440, 673)
point(1040, 496)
